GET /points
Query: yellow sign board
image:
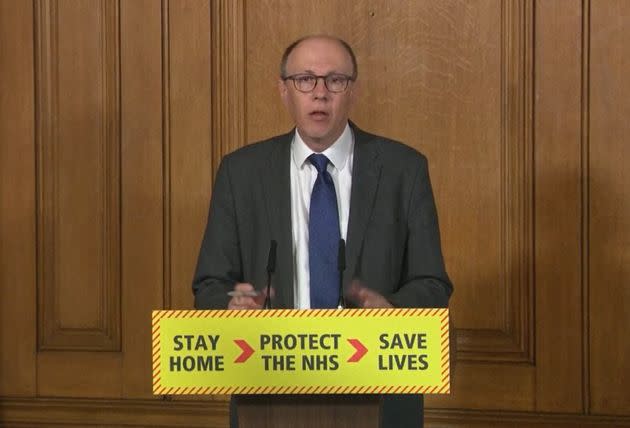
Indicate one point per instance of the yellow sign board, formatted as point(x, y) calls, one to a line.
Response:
point(291, 351)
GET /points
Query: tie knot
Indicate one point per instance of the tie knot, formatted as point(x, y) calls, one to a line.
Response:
point(319, 161)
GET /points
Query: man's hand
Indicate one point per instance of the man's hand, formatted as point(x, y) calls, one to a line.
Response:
point(246, 297)
point(365, 297)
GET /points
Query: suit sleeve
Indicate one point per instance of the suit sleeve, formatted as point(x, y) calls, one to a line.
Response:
point(424, 281)
point(219, 264)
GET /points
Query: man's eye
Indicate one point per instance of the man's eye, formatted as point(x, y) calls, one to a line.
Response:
point(305, 79)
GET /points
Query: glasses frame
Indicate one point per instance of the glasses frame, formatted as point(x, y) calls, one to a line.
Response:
point(325, 78)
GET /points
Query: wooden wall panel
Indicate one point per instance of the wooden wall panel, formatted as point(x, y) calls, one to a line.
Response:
point(609, 207)
point(228, 77)
point(62, 413)
point(558, 217)
point(78, 210)
point(189, 142)
point(17, 201)
point(512, 340)
point(83, 374)
point(78, 144)
point(142, 164)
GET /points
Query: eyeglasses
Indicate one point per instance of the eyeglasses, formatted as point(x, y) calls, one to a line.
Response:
point(307, 82)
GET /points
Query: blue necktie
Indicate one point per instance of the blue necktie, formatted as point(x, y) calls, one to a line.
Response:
point(323, 237)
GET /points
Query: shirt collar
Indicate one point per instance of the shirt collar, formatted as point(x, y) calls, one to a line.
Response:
point(337, 153)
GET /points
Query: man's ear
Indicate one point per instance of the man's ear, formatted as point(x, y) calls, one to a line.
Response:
point(282, 89)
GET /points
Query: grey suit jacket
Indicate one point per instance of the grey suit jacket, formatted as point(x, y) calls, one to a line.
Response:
point(393, 241)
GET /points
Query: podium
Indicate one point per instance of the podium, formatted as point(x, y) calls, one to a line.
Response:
point(308, 411)
point(305, 368)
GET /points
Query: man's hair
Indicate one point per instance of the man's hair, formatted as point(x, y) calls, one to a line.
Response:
point(292, 46)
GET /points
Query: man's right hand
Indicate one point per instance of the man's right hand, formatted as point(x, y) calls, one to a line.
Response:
point(246, 297)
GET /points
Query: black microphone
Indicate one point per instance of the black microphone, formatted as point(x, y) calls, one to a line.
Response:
point(341, 263)
point(271, 268)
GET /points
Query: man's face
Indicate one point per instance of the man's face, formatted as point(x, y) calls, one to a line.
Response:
point(320, 115)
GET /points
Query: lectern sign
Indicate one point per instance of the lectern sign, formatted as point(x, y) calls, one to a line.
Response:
point(286, 351)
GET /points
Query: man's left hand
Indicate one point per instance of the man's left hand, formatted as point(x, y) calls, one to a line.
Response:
point(365, 297)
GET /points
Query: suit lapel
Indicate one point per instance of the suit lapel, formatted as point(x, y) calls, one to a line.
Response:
point(366, 172)
point(276, 178)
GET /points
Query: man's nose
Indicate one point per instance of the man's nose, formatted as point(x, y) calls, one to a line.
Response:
point(320, 90)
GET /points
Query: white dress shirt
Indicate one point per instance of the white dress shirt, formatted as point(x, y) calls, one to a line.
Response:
point(303, 176)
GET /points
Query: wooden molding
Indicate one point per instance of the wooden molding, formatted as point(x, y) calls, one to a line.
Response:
point(102, 330)
point(585, 202)
point(514, 342)
point(228, 72)
point(603, 207)
point(42, 412)
point(483, 418)
point(166, 154)
point(18, 295)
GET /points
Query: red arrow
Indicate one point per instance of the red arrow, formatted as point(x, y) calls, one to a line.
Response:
point(360, 350)
point(247, 350)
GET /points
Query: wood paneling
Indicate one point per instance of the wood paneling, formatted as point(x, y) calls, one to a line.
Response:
point(145, 413)
point(84, 374)
point(118, 113)
point(513, 340)
point(109, 413)
point(142, 163)
point(490, 419)
point(229, 69)
point(558, 206)
point(504, 386)
point(609, 206)
point(78, 144)
point(189, 144)
point(17, 201)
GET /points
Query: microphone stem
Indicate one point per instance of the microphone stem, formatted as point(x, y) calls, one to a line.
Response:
point(341, 263)
point(267, 304)
point(271, 267)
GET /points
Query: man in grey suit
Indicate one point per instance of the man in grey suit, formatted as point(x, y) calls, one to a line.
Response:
point(286, 189)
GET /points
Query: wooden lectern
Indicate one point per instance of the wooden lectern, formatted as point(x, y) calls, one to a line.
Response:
point(406, 352)
point(306, 411)
point(317, 411)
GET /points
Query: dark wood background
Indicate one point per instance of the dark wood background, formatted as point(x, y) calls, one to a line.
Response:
point(114, 115)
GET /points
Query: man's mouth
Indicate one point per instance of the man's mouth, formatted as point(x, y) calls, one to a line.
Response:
point(318, 115)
